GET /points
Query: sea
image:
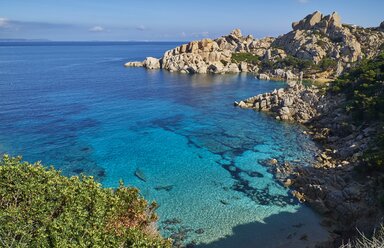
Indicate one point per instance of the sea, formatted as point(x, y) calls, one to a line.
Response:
point(176, 137)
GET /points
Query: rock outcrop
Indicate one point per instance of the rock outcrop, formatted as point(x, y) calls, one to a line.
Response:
point(149, 63)
point(152, 63)
point(345, 197)
point(323, 42)
point(317, 37)
point(295, 103)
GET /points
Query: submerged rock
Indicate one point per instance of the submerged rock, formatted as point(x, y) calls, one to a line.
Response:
point(139, 174)
point(166, 188)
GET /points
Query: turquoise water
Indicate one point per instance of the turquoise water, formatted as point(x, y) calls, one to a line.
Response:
point(176, 137)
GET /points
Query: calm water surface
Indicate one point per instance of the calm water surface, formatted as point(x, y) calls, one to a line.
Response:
point(75, 106)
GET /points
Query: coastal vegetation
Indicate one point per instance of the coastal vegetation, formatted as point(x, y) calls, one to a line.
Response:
point(39, 207)
point(245, 57)
point(346, 118)
point(363, 86)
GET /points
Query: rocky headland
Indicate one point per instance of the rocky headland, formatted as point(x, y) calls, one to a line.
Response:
point(334, 186)
point(318, 47)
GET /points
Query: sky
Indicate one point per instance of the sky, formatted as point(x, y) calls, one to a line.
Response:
point(169, 20)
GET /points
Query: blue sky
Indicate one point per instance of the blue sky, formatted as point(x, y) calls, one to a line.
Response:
point(169, 20)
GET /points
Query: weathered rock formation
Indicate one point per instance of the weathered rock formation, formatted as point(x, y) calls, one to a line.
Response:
point(295, 103)
point(345, 197)
point(317, 37)
point(149, 63)
point(313, 39)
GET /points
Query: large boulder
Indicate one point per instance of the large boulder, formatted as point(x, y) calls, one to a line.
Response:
point(289, 75)
point(151, 63)
point(263, 76)
point(308, 22)
point(280, 73)
point(216, 67)
point(237, 33)
point(243, 66)
point(233, 68)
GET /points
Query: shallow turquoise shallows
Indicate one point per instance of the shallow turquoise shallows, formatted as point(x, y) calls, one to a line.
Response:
point(176, 137)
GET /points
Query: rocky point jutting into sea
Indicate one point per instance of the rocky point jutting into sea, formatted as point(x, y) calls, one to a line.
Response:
point(318, 47)
point(332, 186)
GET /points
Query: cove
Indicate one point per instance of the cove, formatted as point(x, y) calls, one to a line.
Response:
point(75, 106)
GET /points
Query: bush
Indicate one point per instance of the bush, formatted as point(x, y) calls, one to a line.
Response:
point(41, 208)
point(364, 88)
point(296, 63)
point(245, 57)
point(327, 63)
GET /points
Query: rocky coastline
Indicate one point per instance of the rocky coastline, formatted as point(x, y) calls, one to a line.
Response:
point(318, 47)
point(333, 186)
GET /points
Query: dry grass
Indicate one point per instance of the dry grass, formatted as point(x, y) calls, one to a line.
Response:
point(377, 240)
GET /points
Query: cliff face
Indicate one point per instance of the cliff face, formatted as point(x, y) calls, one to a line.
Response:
point(322, 42)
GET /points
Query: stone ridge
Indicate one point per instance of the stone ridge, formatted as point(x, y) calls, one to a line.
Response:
point(317, 39)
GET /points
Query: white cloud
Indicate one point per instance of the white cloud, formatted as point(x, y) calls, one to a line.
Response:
point(183, 34)
point(97, 29)
point(4, 22)
point(141, 28)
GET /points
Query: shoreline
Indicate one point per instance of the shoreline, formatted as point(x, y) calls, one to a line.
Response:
point(332, 187)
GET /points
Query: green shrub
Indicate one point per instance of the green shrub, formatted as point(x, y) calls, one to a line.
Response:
point(41, 208)
point(320, 43)
point(245, 57)
point(296, 63)
point(327, 63)
point(374, 156)
point(364, 89)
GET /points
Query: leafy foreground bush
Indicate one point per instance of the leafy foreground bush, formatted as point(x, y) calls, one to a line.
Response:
point(377, 241)
point(41, 208)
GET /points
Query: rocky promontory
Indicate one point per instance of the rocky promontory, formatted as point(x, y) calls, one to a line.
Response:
point(317, 47)
point(333, 186)
point(295, 103)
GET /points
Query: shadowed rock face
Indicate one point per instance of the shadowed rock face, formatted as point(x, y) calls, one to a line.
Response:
point(313, 38)
point(381, 26)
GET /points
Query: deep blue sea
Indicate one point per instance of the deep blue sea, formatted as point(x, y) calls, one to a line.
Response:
point(75, 106)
